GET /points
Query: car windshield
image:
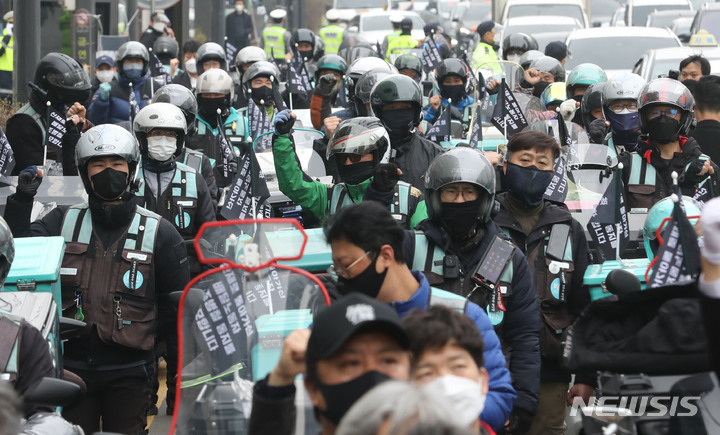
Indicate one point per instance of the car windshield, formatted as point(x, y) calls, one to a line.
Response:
point(663, 66)
point(710, 21)
point(640, 13)
point(603, 51)
point(546, 9)
point(366, 4)
point(382, 22)
point(532, 28)
point(478, 12)
point(665, 20)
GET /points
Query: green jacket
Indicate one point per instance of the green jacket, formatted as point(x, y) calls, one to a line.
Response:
point(315, 196)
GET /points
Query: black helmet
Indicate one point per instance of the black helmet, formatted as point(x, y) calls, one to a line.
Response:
point(363, 87)
point(132, 50)
point(451, 66)
point(397, 88)
point(592, 99)
point(529, 57)
point(63, 78)
point(666, 92)
point(550, 65)
point(460, 165)
point(409, 61)
point(360, 52)
point(166, 46)
point(304, 35)
point(210, 51)
point(7, 250)
point(406, 25)
point(521, 42)
point(360, 135)
point(181, 97)
point(331, 62)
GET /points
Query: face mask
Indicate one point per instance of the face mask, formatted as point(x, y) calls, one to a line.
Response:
point(239, 9)
point(464, 394)
point(262, 93)
point(133, 71)
point(539, 88)
point(306, 54)
point(398, 122)
point(159, 27)
point(161, 148)
point(527, 184)
point(340, 397)
point(514, 58)
point(356, 173)
point(109, 184)
point(459, 218)
point(455, 92)
point(105, 76)
point(624, 126)
point(208, 107)
point(368, 282)
point(663, 129)
point(191, 66)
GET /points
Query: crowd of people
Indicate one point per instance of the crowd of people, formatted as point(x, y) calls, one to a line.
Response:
point(454, 277)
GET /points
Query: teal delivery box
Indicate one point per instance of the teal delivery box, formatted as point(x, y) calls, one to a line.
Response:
point(36, 267)
point(272, 330)
point(596, 273)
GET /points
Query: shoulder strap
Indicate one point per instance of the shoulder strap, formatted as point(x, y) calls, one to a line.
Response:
point(427, 256)
point(143, 231)
point(440, 297)
point(77, 224)
point(640, 171)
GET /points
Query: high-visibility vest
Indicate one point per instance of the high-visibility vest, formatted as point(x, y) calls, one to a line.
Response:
point(332, 36)
point(274, 41)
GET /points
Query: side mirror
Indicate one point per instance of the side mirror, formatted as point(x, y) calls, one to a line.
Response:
point(620, 281)
point(353, 29)
point(53, 392)
point(684, 37)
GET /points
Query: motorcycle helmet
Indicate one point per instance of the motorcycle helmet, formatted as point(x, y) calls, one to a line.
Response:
point(585, 74)
point(669, 92)
point(411, 62)
point(184, 99)
point(363, 88)
point(7, 250)
point(249, 55)
point(397, 88)
point(360, 135)
point(63, 79)
point(164, 116)
point(517, 44)
point(210, 51)
point(166, 47)
point(592, 99)
point(554, 94)
point(624, 86)
point(658, 213)
point(360, 67)
point(330, 62)
point(132, 50)
point(547, 64)
point(303, 35)
point(529, 57)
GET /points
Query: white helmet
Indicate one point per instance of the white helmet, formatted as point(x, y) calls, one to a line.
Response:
point(164, 116)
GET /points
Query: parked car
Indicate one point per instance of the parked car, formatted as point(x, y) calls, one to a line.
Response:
point(601, 12)
point(681, 27)
point(659, 61)
point(666, 17)
point(707, 18)
point(374, 26)
point(615, 49)
point(467, 15)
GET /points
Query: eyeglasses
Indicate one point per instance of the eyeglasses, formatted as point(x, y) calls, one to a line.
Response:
point(655, 113)
point(335, 271)
point(619, 106)
point(355, 158)
point(450, 193)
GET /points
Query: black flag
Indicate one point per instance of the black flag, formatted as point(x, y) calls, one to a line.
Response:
point(476, 133)
point(602, 225)
point(558, 188)
point(440, 130)
point(298, 79)
point(230, 52)
point(7, 159)
point(507, 110)
point(158, 70)
point(705, 191)
point(565, 138)
point(678, 257)
point(56, 129)
point(430, 56)
point(226, 153)
point(259, 124)
point(249, 183)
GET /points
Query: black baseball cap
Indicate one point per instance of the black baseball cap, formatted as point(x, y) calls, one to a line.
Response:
point(557, 49)
point(354, 313)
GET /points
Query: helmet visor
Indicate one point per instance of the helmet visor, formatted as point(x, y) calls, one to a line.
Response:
point(356, 139)
point(74, 79)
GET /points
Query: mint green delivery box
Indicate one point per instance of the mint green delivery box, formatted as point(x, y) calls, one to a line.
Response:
point(317, 256)
point(36, 266)
point(596, 273)
point(272, 330)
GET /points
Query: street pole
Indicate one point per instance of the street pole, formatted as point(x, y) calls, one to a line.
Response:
point(218, 21)
point(27, 46)
point(132, 6)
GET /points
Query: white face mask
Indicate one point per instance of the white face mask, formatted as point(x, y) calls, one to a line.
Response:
point(239, 8)
point(465, 395)
point(161, 148)
point(191, 66)
point(159, 26)
point(514, 58)
point(105, 76)
point(496, 38)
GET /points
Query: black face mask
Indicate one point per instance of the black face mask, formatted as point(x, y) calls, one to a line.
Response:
point(356, 173)
point(306, 54)
point(398, 122)
point(368, 282)
point(109, 184)
point(539, 88)
point(527, 184)
point(459, 218)
point(454, 92)
point(340, 397)
point(208, 107)
point(663, 129)
point(262, 93)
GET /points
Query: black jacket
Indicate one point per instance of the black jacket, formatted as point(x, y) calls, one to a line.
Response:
point(171, 271)
point(413, 155)
point(533, 246)
point(688, 180)
point(149, 37)
point(520, 328)
point(183, 78)
point(707, 135)
point(238, 29)
point(34, 363)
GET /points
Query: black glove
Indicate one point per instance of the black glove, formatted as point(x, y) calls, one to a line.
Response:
point(325, 85)
point(283, 122)
point(28, 183)
point(385, 177)
point(597, 131)
point(520, 422)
